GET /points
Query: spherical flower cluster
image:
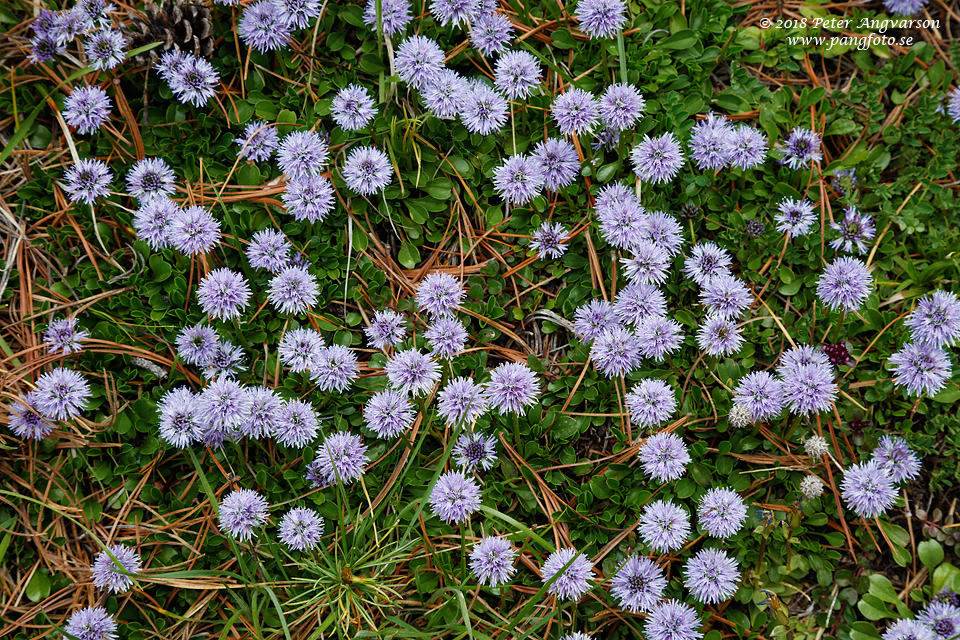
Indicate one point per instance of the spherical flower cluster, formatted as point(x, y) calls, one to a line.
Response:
point(512, 387)
point(706, 261)
point(516, 74)
point(293, 290)
point(811, 487)
point(594, 318)
point(104, 49)
point(483, 110)
point(26, 420)
point(301, 528)
point(475, 451)
point(367, 170)
point(574, 581)
point(638, 300)
point(242, 511)
point(664, 457)
point(795, 217)
point(388, 413)
point(394, 15)
point(194, 230)
point(296, 424)
point(411, 372)
point(491, 33)
point(491, 560)
point(762, 394)
point(576, 111)
point(673, 620)
point(352, 108)
point(447, 337)
point(263, 27)
point(106, 574)
point(223, 293)
point(638, 584)
point(192, 79)
point(150, 178)
point(386, 329)
point(922, 369)
point(601, 18)
point(341, 458)
point(868, 489)
point(86, 108)
point(519, 179)
point(722, 512)
point(445, 93)
point(801, 148)
point(621, 105)
point(61, 394)
point(898, 458)
point(439, 294)
point(268, 249)
point(664, 526)
point(91, 623)
point(746, 147)
point(87, 180)
point(936, 319)
point(816, 446)
point(455, 497)
point(650, 402)
point(547, 240)
point(180, 419)
point(726, 296)
point(658, 336)
point(63, 337)
point(711, 576)
point(461, 401)
point(559, 163)
point(258, 142)
point(334, 368)
point(418, 59)
point(809, 388)
point(856, 230)
point(657, 160)
point(845, 284)
point(615, 352)
point(302, 153)
point(649, 263)
point(309, 197)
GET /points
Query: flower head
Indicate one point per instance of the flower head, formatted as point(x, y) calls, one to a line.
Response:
point(709, 142)
point(394, 15)
point(309, 197)
point(574, 581)
point(649, 263)
point(455, 497)
point(104, 49)
point(194, 230)
point(491, 33)
point(447, 337)
point(193, 80)
point(898, 458)
point(800, 355)
point(664, 526)
point(296, 424)
point(856, 229)
point(906, 629)
point(809, 388)
point(63, 337)
point(575, 111)
point(411, 372)
point(593, 319)
point(483, 110)
point(302, 153)
point(922, 369)
point(942, 618)
point(301, 528)
point(293, 290)
point(223, 293)
point(86, 109)
point(265, 414)
point(91, 623)
point(444, 95)
point(334, 368)
point(845, 284)
point(512, 387)
point(225, 359)
point(650, 403)
point(26, 420)
point(706, 261)
point(517, 74)
point(475, 451)
point(439, 294)
point(263, 26)
point(105, 568)
point(722, 512)
point(341, 458)
point(719, 336)
point(936, 319)
point(868, 489)
point(638, 300)
point(453, 11)
point(638, 584)
point(268, 249)
point(615, 352)
point(388, 413)
point(259, 141)
point(726, 296)
point(601, 18)
point(43, 47)
point(62, 394)
point(417, 60)
point(661, 230)
point(658, 336)
point(241, 511)
point(621, 105)
point(711, 576)
point(559, 163)
point(795, 217)
point(746, 147)
point(491, 560)
point(87, 180)
point(621, 221)
point(387, 329)
point(811, 487)
point(664, 456)
point(802, 147)
point(297, 13)
point(353, 108)
point(657, 160)
point(223, 407)
point(547, 240)
point(196, 344)
point(844, 180)
point(461, 401)
point(519, 179)
point(367, 170)
point(180, 419)
point(673, 620)
point(150, 178)
point(761, 393)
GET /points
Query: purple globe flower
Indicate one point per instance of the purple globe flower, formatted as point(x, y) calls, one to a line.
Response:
point(802, 147)
point(296, 425)
point(809, 388)
point(706, 261)
point(309, 197)
point(388, 413)
point(868, 489)
point(453, 11)
point(61, 394)
point(659, 336)
point(845, 284)
point(63, 337)
point(193, 80)
point(801, 355)
point(268, 249)
point(298, 13)
point(657, 160)
point(898, 458)
point(909, 630)
point(953, 103)
point(491, 33)
point(475, 451)
point(180, 420)
point(844, 180)
point(664, 457)
point(150, 178)
point(353, 108)
point(171, 64)
point(455, 497)
point(711, 576)
point(638, 584)
point(44, 47)
point(91, 623)
point(387, 329)
point(795, 217)
point(922, 369)
point(594, 318)
point(293, 290)
point(26, 420)
point(664, 526)
point(302, 153)
point(411, 372)
point(615, 352)
point(516, 74)
point(104, 49)
point(417, 60)
point(638, 300)
point(718, 336)
point(194, 230)
point(223, 408)
point(242, 511)
point(106, 570)
point(621, 105)
point(519, 179)
point(263, 27)
point(225, 360)
point(87, 180)
point(68, 25)
point(746, 147)
point(661, 230)
point(649, 263)
point(86, 108)
point(673, 620)
point(334, 368)
point(621, 221)
point(856, 229)
point(722, 512)
point(301, 529)
point(942, 618)
point(341, 458)
point(575, 111)
point(195, 344)
point(439, 294)
point(394, 15)
point(559, 163)
point(710, 142)
point(761, 394)
point(444, 94)
point(447, 337)
point(491, 560)
point(483, 110)
point(726, 296)
point(265, 415)
point(613, 193)
point(547, 240)
point(936, 319)
point(574, 581)
point(650, 403)
point(512, 387)
point(367, 170)
point(300, 348)
point(462, 401)
point(259, 141)
point(601, 18)
point(223, 293)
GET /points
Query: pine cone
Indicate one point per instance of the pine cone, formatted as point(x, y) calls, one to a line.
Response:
point(177, 24)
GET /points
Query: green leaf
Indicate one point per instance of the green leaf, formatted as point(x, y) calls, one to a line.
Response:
point(882, 588)
point(930, 553)
point(683, 39)
point(39, 586)
point(408, 255)
point(946, 576)
point(949, 395)
point(873, 608)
